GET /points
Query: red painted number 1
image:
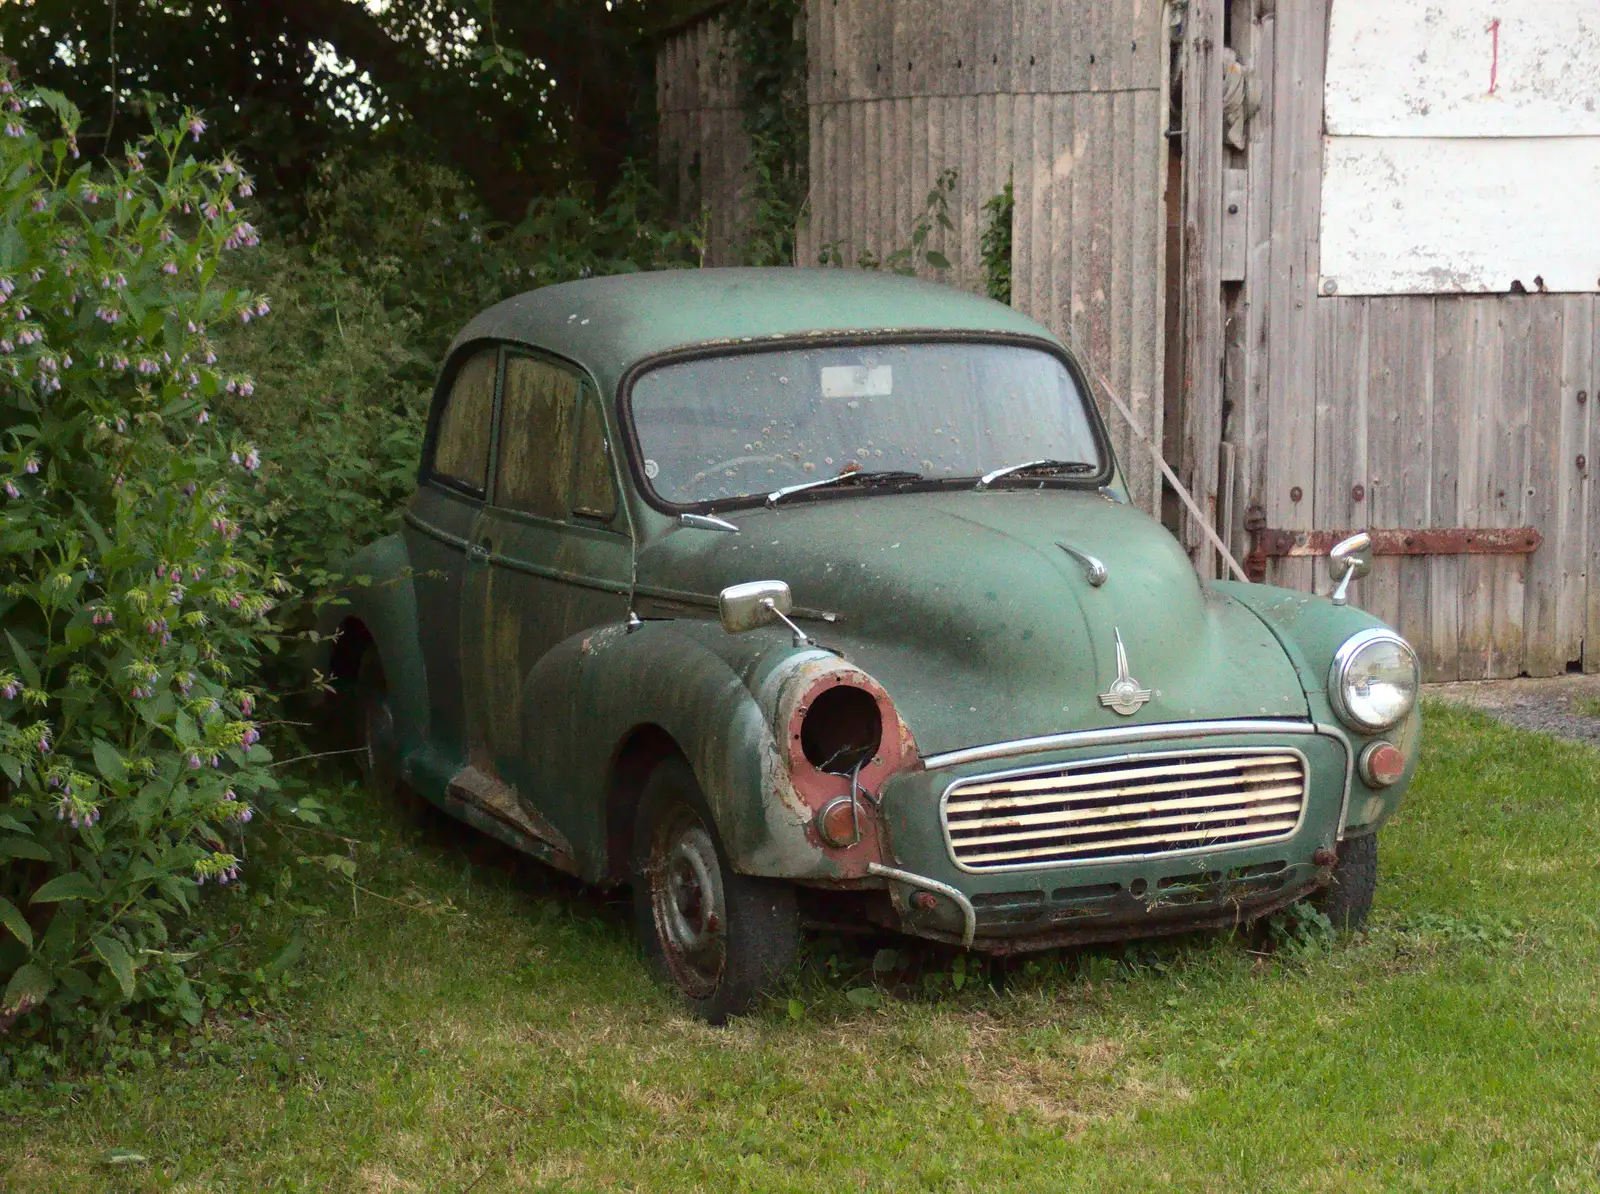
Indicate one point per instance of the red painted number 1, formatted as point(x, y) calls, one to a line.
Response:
point(1493, 30)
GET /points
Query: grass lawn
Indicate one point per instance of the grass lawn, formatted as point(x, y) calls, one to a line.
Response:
point(489, 1027)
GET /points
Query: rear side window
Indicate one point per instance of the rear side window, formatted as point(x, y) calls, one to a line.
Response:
point(595, 496)
point(461, 444)
point(538, 422)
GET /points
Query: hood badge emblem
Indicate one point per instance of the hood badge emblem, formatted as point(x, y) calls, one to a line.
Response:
point(1124, 696)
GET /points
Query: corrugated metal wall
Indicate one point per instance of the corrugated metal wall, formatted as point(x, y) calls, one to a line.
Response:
point(701, 141)
point(1067, 95)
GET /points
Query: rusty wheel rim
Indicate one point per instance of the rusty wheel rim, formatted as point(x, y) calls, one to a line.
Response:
point(687, 897)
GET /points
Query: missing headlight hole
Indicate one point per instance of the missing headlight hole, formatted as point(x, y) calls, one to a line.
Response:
point(842, 730)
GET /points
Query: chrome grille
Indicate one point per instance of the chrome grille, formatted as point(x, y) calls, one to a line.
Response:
point(1135, 805)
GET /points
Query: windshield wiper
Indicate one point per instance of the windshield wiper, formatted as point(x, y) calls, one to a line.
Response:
point(1038, 466)
point(848, 477)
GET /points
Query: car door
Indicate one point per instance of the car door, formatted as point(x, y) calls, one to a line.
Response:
point(439, 523)
point(559, 562)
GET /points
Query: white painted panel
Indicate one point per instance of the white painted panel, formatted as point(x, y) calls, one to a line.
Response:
point(1443, 215)
point(1424, 68)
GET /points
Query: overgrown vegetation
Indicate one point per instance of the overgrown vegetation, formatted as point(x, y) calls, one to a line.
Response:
point(134, 614)
point(769, 38)
point(915, 252)
point(465, 1017)
point(995, 245)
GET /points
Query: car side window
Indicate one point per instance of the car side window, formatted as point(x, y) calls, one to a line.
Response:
point(595, 494)
point(461, 444)
point(538, 417)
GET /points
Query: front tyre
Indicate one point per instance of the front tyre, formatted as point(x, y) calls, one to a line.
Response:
point(1347, 900)
point(718, 938)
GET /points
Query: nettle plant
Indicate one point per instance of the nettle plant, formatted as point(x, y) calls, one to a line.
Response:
point(131, 622)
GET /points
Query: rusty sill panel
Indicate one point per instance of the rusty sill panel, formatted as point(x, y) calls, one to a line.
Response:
point(1430, 541)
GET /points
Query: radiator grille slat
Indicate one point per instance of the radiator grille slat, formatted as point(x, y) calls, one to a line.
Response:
point(1144, 805)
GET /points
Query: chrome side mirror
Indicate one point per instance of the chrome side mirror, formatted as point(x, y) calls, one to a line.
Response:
point(758, 603)
point(1350, 560)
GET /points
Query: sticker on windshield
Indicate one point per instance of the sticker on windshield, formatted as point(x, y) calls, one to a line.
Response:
point(652, 469)
point(857, 381)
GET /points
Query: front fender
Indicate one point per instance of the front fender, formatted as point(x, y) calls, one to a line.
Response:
point(1311, 630)
point(381, 598)
point(715, 696)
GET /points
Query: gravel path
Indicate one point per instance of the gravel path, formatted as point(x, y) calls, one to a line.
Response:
point(1566, 706)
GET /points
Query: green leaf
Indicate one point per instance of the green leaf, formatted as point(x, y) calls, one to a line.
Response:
point(12, 919)
point(24, 663)
point(864, 997)
point(74, 885)
point(108, 760)
point(116, 958)
point(797, 1010)
point(937, 259)
point(27, 987)
point(23, 847)
point(7, 821)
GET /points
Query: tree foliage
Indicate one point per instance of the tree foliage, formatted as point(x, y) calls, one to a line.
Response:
point(519, 96)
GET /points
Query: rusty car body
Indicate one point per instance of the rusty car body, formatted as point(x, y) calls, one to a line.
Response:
point(806, 595)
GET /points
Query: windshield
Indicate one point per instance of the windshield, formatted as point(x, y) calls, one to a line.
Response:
point(743, 425)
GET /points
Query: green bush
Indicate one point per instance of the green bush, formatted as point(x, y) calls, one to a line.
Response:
point(132, 621)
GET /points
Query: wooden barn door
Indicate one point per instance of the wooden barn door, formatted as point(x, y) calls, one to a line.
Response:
point(1458, 426)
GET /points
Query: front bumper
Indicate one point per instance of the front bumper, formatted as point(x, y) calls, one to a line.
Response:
point(1019, 907)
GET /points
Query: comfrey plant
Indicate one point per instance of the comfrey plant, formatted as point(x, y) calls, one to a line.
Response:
point(130, 624)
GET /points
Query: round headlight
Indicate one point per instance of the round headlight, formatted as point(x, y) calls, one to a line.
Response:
point(1374, 680)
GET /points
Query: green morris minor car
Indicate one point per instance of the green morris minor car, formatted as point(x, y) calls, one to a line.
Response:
point(816, 597)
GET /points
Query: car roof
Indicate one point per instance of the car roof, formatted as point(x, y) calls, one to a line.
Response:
point(609, 324)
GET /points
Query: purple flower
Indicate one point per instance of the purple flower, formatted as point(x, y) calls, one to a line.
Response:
point(194, 761)
point(9, 690)
point(252, 460)
point(170, 267)
point(12, 491)
point(196, 126)
point(14, 129)
point(246, 388)
point(31, 465)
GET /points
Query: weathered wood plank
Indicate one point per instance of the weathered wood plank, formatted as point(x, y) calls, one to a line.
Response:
point(1341, 423)
point(1544, 494)
point(1590, 386)
point(1441, 649)
point(1296, 200)
point(1202, 277)
point(1577, 345)
point(1467, 368)
point(1508, 493)
point(1147, 343)
point(1253, 413)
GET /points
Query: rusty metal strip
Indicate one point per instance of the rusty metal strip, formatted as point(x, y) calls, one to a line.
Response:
point(1426, 541)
